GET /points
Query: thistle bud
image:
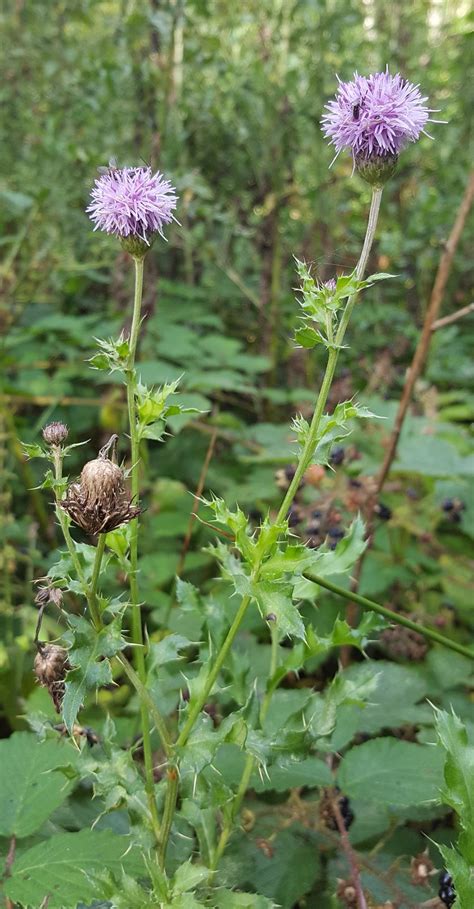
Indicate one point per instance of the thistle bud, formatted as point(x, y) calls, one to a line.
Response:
point(55, 433)
point(51, 666)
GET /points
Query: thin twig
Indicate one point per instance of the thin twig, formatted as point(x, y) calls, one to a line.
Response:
point(448, 320)
point(197, 497)
point(351, 856)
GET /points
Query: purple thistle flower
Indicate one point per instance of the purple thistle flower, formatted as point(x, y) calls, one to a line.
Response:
point(375, 116)
point(132, 202)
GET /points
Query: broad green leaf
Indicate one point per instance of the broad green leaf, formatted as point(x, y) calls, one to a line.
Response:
point(231, 899)
point(66, 869)
point(395, 773)
point(31, 786)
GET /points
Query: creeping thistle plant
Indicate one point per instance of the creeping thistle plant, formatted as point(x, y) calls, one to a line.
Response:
point(181, 824)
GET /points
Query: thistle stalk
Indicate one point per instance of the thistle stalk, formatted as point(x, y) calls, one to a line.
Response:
point(303, 463)
point(137, 631)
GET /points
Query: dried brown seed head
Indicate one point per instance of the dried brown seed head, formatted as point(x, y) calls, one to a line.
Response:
point(55, 433)
point(51, 665)
point(100, 502)
point(49, 595)
point(101, 481)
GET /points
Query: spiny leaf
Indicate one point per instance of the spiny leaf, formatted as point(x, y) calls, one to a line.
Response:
point(89, 656)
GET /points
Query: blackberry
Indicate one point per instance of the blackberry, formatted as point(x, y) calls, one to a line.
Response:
point(346, 811)
point(383, 511)
point(446, 893)
point(326, 810)
point(294, 517)
point(337, 455)
point(448, 505)
point(336, 533)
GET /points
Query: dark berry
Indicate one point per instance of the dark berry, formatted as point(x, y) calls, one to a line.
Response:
point(356, 484)
point(346, 811)
point(448, 505)
point(336, 533)
point(289, 471)
point(383, 511)
point(337, 455)
point(446, 893)
point(316, 514)
point(293, 517)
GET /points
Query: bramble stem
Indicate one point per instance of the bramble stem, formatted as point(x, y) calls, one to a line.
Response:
point(393, 616)
point(137, 631)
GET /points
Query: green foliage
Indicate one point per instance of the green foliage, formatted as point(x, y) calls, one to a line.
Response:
point(67, 868)
point(457, 792)
point(33, 782)
point(89, 655)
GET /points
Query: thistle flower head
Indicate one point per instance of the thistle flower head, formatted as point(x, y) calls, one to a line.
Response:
point(132, 202)
point(375, 116)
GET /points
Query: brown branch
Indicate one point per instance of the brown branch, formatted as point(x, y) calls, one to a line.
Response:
point(448, 320)
point(197, 496)
point(350, 854)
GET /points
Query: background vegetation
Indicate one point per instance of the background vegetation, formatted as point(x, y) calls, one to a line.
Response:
point(226, 99)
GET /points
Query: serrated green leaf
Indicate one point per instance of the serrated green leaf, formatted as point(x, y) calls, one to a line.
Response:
point(31, 786)
point(89, 656)
point(395, 773)
point(275, 600)
point(189, 876)
point(67, 868)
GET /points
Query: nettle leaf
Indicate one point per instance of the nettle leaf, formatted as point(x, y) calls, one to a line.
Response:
point(66, 869)
point(276, 605)
point(458, 777)
point(89, 655)
point(393, 773)
point(31, 784)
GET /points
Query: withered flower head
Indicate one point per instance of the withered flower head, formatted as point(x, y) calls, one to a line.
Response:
point(51, 666)
point(55, 433)
point(49, 594)
point(100, 501)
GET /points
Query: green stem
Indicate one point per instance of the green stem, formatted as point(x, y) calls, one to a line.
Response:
point(147, 699)
point(137, 631)
point(168, 812)
point(393, 616)
point(311, 441)
point(194, 710)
